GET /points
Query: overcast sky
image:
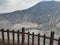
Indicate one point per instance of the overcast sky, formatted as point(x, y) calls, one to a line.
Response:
point(13, 5)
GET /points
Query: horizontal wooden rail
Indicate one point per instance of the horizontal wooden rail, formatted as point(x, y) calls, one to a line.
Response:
point(30, 34)
point(33, 35)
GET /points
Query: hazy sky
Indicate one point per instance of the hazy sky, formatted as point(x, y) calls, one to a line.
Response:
point(13, 5)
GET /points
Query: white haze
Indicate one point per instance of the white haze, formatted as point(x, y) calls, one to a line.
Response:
point(13, 5)
point(7, 25)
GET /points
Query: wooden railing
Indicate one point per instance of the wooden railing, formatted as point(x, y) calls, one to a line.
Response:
point(23, 33)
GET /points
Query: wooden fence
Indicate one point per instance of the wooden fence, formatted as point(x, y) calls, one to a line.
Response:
point(51, 38)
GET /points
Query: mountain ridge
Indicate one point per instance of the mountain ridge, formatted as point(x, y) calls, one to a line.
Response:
point(46, 12)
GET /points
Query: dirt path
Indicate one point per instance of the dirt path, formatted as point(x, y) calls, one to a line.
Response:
point(12, 43)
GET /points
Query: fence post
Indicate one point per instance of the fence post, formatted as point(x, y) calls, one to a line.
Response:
point(28, 37)
point(44, 39)
point(59, 41)
point(18, 40)
point(33, 38)
point(3, 41)
point(8, 36)
point(51, 38)
point(23, 35)
point(13, 36)
point(38, 38)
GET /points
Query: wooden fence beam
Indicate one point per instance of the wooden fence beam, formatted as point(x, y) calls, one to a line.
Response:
point(30, 34)
point(28, 37)
point(13, 36)
point(23, 36)
point(59, 41)
point(44, 39)
point(38, 38)
point(51, 38)
point(3, 40)
point(8, 36)
point(18, 40)
point(33, 38)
